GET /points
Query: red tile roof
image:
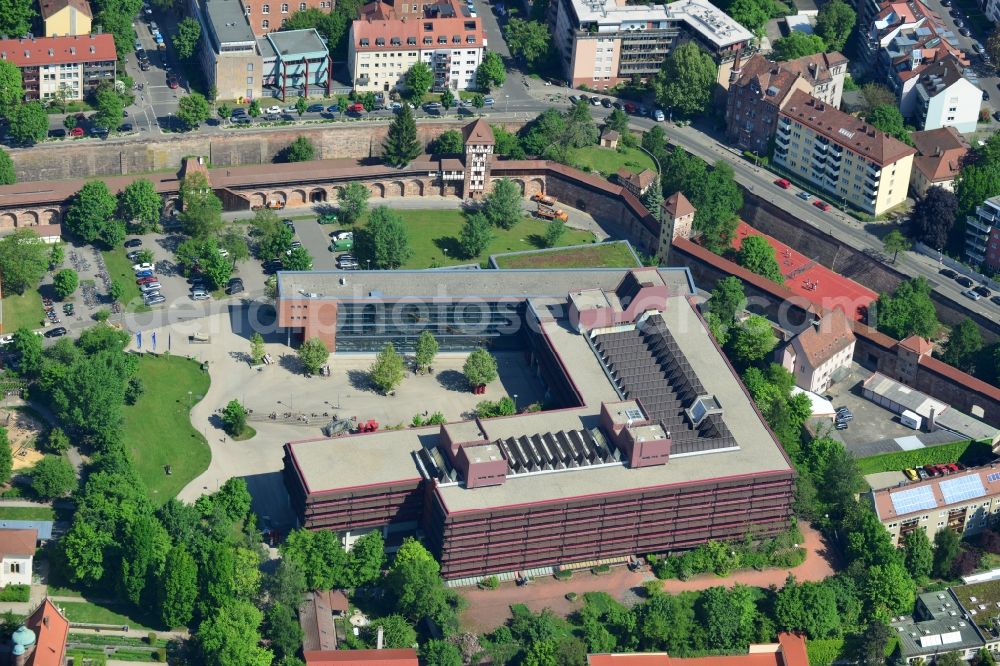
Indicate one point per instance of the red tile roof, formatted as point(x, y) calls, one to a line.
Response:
point(845, 130)
point(18, 543)
point(478, 133)
point(58, 50)
point(380, 21)
point(830, 337)
point(677, 205)
point(917, 345)
point(939, 153)
point(51, 629)
point(789, 651)
point(406, 657)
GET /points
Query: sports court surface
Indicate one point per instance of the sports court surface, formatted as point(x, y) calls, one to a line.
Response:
point(812, 280)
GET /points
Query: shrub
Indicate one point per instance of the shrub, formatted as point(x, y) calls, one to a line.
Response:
point(102, 315)
point(13, 593)
point(151, 638)
point(490, 583)
point(967, 452)
point(564, 574)
point(600, 569)
point(156, 655)
point(571, 596)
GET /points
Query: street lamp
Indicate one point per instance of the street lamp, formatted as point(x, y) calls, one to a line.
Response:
point(506, 103)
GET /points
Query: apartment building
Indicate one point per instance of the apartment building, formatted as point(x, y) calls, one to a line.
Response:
point(266, 16)
point(982, 235)
point(842, 155)
point(966, 502)
point(389, 39)
point(606, 42)
point(818, 352)
point(62, 67)
point(66, 17)
point(760, 88)
point(228, 49)
point(939, 159)
point(945, 98)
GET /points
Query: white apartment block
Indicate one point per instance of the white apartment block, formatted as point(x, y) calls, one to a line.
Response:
point(842, 155)
point(945, 98)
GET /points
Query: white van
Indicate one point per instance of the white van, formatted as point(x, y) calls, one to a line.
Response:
point(911, 419)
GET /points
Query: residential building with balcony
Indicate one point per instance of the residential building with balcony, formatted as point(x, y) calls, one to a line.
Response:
point(939, 158)
point(266, 16)
point(842, 155)
point(68, 67)
point(945, 98)
point(966, 502)
point(296, 63)
point(606, 42)
point(982, 235)
point(389, 39)
point(760, 88)
point(66, 17)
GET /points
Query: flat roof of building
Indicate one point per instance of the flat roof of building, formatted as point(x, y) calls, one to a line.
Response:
point(229, 21)
point(514, 284)
point(710, 22)
point(945, 631)
point(982, 602)
point(296, 42)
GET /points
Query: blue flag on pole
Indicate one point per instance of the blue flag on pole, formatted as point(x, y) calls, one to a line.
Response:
point(138, 339)
point(154, 340)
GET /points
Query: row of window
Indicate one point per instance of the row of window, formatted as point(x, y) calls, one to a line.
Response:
point(412, 41)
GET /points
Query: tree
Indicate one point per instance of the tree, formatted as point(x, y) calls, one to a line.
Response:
point(56, 441)
point(528, 40)
point(728, 616)
point(447, 99)
point(809, 608)
point(300, 150)
point(753, 340)
point(139, 204)
point(367, 557)
point(888, 589)
point(214, 266)
point(480, 367)
point(908, 311)
point(440, 653)
point(28, 123)
point(933, 217)
point(874, 95)
point(618, 120)
point(887, 118)
point(964, 344)
point(581, 130)
point(946, 549)
point(11, 86)
point(53, 476)
point(414, 582)
point(491, 72)
point(273, 238)
point(419, 80)
point(257, 350)
point(7, 174)
point(15, 18)
point(193, 109)
point(65, 282)
point(653, 201)
point(449, 143)
point(797, 45)
point(917, 554)
point(178, 587)
point(230, 636)
point(502, 206)
point(757, 255)
point(728, 300)
point(313, 355)
point(298, 259)
point(751, 14)
point(234, 418)
point(283, 628)
point(91, 211)
point(110, 107)
point(554, 231)
point(993, 43)
point(384, 241)
point(254, 109)
point(975, 184)
point(396, 632)
point(426, 350)
point(224, 111)
point(983, 658)
point(834, 24)
point(401, 145)
point(507, 143)
point(27, 348)
point(353, 201)
point(894, 242)
point(686, 80)
point(476, 235)
point(301, 106)
point(23, 261)
point(201, 216)
point(319, 556)
point(387, 371)
point(870, 650)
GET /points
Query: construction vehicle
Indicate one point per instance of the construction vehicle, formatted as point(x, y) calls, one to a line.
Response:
point(544, 199)
point(550, 213)
point(337, 427)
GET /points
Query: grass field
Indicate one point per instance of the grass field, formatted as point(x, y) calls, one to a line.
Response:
point(158, 428)
point(120, 268)
point(27, 513)
point(608, 161)
point(434, 238)
point(599, 255)
point(25, 310)
point(85, 611)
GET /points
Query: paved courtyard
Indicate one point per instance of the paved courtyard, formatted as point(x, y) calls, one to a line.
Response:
point(282, 388)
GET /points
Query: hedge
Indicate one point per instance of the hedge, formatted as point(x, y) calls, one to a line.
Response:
point(823, 652)
point(968, 452)
point(15, 593)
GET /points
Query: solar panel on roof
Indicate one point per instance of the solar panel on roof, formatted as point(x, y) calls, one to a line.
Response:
point(991, 478)
point(914, 499)
point(961, 489)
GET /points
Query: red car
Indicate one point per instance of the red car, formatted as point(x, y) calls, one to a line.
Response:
point(76, 131)
point(356, 108)
point(783, 184)
point(172, 81)
point(629, 107)
point(822, 205)
point(145, 280)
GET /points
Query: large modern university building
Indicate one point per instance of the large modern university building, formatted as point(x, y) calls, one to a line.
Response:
point(655, 446)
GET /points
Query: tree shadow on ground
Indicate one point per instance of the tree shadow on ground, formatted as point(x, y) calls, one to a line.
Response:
point(291, 363)
point(450, 247)
point(360, 381)
point(453, 380)
point(536, 240)
point(170, 242)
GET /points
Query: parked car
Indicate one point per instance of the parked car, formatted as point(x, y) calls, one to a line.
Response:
point(57, 134)
point(99, 131)
point(630, 107)
point(76, 131)
point(573, 99)
point(840, 425)
point(948, 273)
point(141, 274)
point(150, 286)
point(911, 474)
point(489, 101)
point(964, 32)
point(133, 255)
point(125, 128)
point(658, 116)
point(56, 332)
point(822, 205)
point(235, 286)
point(143, 267)
point(844, 414)
point(783, 184)
point(971, 294)
point(314, 108)
point(357, 107)
point(922, 473)
point(606, 103)
point(172, 81)
point(432, 106)
point(982, 291)
point(145, 280)
point(995, 300)
point(199, 295)
point(618, 105)
point(154, 299)
point(964, 281)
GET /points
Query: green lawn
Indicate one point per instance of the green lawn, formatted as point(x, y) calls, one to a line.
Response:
point(158, 428)
point(598, 255)
point(27, 513)
point(24, 310)
point(434, 237)
point(120, 268)
point(607, 161)
point(85, 611)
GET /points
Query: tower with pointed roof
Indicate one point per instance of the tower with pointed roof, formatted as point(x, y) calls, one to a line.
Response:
point(479, 143)
point(677, 219)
